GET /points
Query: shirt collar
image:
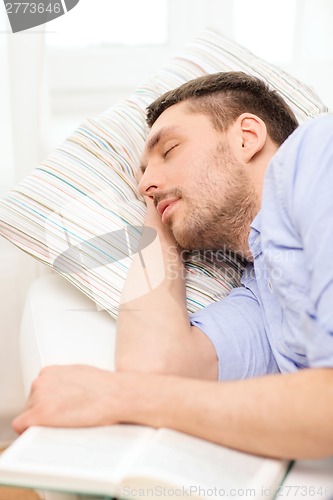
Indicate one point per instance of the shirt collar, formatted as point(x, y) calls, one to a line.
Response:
point(256, 223)
point(254, 237)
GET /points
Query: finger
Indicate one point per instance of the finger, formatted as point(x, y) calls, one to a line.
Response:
point(22, 422)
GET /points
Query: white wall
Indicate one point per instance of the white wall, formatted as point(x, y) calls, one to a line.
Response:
point(295, 34)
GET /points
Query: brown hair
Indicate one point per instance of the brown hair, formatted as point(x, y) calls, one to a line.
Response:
point(225, 96)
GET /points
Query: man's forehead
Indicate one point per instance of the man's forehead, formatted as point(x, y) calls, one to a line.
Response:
point(169, 121)
point(175, 120)
point(161, 133)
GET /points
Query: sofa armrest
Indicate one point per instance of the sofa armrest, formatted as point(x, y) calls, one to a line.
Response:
point(62, 326)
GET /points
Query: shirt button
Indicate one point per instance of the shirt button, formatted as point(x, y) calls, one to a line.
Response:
point(270, 286)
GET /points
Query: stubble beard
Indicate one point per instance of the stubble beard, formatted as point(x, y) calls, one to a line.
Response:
point(226, 205)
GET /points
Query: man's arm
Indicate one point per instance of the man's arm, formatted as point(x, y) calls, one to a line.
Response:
point(227, 339)
point(154, 333)
point(288, 416)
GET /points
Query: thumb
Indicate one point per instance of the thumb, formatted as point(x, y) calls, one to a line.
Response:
point(22, 422)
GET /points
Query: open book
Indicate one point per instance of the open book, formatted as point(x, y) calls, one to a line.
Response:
point(132, 462)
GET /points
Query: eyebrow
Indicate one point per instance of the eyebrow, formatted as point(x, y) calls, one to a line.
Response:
point(154, 140)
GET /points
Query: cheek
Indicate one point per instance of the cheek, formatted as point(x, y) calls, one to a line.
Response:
point(192, 173)
point(194, 167)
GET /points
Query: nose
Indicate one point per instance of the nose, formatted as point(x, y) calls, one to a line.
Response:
point(145, 188)
point(149, 182)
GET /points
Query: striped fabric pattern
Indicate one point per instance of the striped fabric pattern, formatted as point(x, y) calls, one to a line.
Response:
point(79, 211)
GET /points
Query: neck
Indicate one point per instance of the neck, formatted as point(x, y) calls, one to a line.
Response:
point(260, 168)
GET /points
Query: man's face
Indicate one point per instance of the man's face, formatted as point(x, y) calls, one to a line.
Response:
point(201, 192)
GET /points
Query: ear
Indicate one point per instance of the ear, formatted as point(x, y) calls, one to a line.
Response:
point(252, 135)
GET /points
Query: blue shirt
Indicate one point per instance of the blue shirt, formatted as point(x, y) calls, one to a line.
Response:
point(282, 317)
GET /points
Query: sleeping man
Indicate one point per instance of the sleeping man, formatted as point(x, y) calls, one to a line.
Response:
point(225, 167)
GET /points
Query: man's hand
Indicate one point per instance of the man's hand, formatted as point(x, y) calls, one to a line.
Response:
point(72, 396)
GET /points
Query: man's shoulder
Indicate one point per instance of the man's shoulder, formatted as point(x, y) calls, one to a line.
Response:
point(320, 121)
point(309, 135)
point(322, 124)
point(301, 169)
point(300, 153)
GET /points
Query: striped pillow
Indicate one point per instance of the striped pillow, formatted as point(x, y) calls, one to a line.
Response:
point(79, 211)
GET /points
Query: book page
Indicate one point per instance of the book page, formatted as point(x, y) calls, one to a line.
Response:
point(309, 479)
point(201, 469)
point(82, 456)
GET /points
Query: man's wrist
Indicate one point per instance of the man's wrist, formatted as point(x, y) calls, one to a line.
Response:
point(134, 398)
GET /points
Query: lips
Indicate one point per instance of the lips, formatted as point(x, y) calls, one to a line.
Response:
point(163, 207)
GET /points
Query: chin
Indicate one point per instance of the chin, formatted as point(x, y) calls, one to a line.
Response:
point(182, 241)
point(189, 242)
point(193, 237)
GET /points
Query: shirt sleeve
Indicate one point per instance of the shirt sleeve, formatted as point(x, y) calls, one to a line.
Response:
point(311, 209)
point(235, 327)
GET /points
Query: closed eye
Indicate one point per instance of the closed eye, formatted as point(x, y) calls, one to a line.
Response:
point(168, 150)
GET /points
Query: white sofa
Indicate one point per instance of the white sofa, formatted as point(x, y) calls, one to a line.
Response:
point(61, 326)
